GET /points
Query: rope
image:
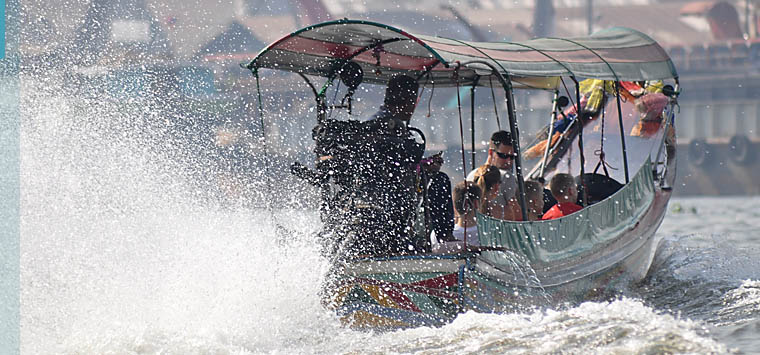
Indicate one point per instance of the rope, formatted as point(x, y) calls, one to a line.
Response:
point(600, 152)
point(461, 140)
point(432, 90)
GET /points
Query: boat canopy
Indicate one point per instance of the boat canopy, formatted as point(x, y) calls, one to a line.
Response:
point(382, 51)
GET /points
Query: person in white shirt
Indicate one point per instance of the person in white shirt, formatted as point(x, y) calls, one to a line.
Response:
point(501, 154)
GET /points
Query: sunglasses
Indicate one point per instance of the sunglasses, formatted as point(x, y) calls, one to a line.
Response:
point(505, 155)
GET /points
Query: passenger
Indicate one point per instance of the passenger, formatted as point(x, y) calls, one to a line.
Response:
point(549, 200)
point(488, 179)
point(566, 192)
point(501, 154)
point(534, 196)
point(439, 198)
point(466, 198)
point(534, 199)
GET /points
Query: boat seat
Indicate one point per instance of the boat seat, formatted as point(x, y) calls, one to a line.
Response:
point(598, 187)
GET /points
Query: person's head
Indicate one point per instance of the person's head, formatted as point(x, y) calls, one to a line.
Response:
point(488, 177)
point(563, 188)
point(401, 96)
point(433, 163)
point(534, 194)
point(500, 150)
point(466, 198)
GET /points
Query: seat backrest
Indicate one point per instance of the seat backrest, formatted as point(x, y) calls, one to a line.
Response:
point(598, 187)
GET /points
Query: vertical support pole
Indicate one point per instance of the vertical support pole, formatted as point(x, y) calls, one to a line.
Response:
point(579, 119)
point(670, 121)
point(461, 141)
point(551, 133)
point(472, 123)
point(516, 146)
point(622, 131)
point(264, 142)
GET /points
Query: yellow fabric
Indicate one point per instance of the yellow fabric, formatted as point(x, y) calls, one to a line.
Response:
point(654, 86)
point(594, 90)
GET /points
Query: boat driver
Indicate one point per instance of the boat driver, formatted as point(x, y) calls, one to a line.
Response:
point(387, 164)
point(398, 107)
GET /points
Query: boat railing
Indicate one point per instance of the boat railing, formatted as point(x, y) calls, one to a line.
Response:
point(575, 235)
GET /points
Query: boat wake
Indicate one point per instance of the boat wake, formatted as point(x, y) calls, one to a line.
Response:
point(620, 326)
point(711, 279)
point(701, 278)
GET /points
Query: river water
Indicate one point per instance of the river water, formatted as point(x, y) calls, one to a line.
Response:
point(123, 251)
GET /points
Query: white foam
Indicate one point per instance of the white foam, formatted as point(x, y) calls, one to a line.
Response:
point(622, 326)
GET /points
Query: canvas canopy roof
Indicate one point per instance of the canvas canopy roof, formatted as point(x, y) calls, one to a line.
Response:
point(383, 51)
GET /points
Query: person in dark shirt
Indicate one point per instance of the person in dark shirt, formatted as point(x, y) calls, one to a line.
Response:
point(441, 207)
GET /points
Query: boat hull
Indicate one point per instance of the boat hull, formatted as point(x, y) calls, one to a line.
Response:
point(431, 290)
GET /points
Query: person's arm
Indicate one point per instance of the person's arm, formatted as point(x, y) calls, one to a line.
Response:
point(512, 211)
point(498, 210)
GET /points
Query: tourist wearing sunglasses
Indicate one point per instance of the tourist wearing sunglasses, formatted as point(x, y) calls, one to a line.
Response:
point(501, 154)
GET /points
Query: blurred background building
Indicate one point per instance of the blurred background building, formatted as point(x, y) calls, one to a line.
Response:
point(190, 50)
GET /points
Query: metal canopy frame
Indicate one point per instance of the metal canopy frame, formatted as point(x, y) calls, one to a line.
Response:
point(488, 63)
